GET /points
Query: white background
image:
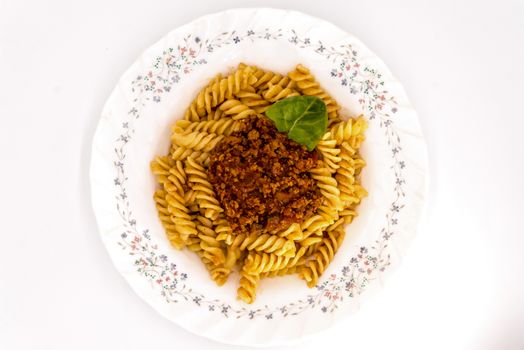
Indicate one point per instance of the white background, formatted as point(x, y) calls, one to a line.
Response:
point(462, 64)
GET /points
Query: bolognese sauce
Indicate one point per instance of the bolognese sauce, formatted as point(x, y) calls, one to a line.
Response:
point(262, 179)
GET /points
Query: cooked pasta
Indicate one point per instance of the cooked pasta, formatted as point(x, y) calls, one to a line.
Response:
point(219, 273)
point(219, 90)
point(165, 218)
point(277, 92)
point(187, 202)
point(254, 101)
point(204, 193)
point(322, 257)
point(351, 131)
point(197, 140)
point(247, 286)
point(257, 263)
point(293, 232)
point(182, 153)
point(223, 126)
point(328, 186)
point(181, 216)
point(329, 152)
point(307, 85)
point(266, 242)
point(236, 109)
point(212, 249)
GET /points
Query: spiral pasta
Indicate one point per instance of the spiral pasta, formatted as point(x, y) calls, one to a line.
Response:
point(313, 226)
point(328, 213)
point(165, 219)
point(267, 263)
point(223, 126)
point(236, 109)
point(328, 186)
point(254, 101)
point(169, 173)
point(270, 78)
point(198, 141)
point(350, 131)
point(257, 263)
point(204, 193)
point(207, 239)
point(276, 92)
point(218, 273)
point(182, 153)
point(223, 230)
point(181, 216)
point(218, 90)
point(329, 152)
point(193, 218)
point(308, 86)
point(289, 270)
point(323, 256)
point(247, 286)
point(267, 243)
point(293, 232)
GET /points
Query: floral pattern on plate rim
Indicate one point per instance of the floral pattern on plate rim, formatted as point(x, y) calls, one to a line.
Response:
point(362, 81)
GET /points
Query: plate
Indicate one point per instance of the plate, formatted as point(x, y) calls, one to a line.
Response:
point(135, 126)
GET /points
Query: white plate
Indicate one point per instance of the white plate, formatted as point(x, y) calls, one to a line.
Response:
point(135, 126)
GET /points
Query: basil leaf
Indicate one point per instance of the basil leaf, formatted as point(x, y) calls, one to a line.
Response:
point(303, 117)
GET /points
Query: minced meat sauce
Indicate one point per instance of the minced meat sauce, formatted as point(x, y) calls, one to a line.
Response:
point(261, 178)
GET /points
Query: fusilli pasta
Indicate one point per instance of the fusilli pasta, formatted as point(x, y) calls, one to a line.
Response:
point(307, 85)
point(323, 256)
point(192, 216)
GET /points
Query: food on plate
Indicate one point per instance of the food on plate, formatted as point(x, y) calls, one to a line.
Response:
point(262, 174)
point(262, 178)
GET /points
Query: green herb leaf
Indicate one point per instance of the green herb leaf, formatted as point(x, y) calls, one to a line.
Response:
point(303, 117)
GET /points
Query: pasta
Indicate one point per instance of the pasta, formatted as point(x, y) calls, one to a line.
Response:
point(197, 140)
point(330, 153)
point(165, 218)
point(322, 257)
point(254, 101)
point(222, 126)
point(267, 243)
point(236, 109)
point(247, 286)
point(192, 215)
point(204, 194)
point(257, 263)
point(217, 91)
point(276, 92)
point(182, 153)
point(328, 186)
point(308, 86)
point(293, 232)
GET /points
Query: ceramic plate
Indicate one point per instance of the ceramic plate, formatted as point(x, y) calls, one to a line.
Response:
point(135, 126)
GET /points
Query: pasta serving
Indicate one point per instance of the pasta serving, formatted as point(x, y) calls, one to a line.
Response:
point(242, 195)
